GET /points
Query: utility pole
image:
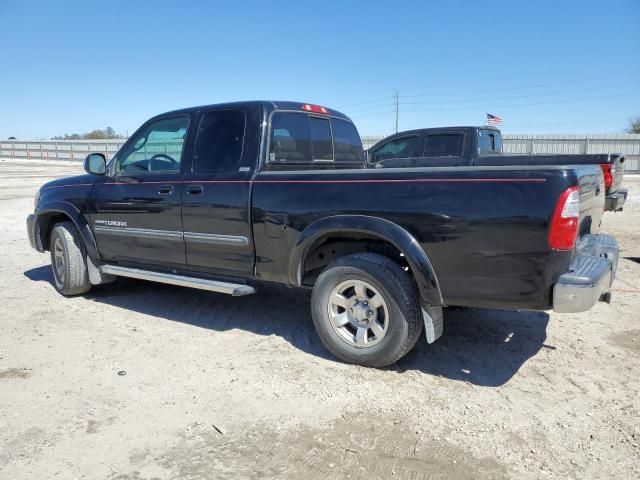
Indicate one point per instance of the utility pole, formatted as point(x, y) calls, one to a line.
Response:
point(397, 109)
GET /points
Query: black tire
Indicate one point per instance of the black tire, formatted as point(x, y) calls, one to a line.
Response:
point(401, 301)
point(71, 277)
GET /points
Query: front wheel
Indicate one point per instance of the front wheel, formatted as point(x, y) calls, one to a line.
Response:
point(70, 276)
point(365, 310)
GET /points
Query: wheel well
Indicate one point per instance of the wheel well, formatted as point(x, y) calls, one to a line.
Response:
point(330, 247)
point(46, 223)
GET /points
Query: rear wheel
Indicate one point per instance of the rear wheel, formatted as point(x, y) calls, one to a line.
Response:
point(70, 276)
point(365, 310)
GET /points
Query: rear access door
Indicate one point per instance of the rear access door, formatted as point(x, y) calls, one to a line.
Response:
point(216, 195)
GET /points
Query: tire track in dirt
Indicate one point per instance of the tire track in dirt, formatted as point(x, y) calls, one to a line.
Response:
point(364, 446)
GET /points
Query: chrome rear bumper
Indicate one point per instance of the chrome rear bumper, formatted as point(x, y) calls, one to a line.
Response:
point(615, 201)
point(589, 276)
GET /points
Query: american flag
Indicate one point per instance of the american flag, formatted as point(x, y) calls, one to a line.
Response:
point(493, 119)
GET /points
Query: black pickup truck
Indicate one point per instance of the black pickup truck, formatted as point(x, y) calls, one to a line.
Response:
point(224, 197)
point(482, 146)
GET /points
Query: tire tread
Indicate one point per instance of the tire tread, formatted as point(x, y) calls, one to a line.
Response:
point(77, 278)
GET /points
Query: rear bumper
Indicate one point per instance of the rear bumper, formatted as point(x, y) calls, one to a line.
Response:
point(32, 232)
point(615, 201)
point(589, 276)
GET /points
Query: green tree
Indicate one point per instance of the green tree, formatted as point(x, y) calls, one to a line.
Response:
point(66, 136)
point(634, 126)
point(92, 135)
point(95, 134)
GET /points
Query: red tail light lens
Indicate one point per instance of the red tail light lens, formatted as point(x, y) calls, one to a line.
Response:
point(314, 109)
point(608, 170)
point(564, 223)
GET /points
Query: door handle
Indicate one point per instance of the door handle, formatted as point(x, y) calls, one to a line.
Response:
point(165, 190)
point(194, 190)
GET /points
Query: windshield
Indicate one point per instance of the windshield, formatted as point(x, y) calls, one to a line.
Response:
point(489, 141)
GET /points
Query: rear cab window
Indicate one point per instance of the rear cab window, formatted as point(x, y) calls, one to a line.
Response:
point(489, 141)
point(301, 138)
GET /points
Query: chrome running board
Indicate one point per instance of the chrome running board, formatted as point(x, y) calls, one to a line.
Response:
point(235, 289)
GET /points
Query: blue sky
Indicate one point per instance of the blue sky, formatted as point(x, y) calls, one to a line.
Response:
point(544, 66)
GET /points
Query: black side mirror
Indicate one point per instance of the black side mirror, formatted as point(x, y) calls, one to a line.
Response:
point(95, 164)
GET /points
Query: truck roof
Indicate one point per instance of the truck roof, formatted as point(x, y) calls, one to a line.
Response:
point(444, 129)
point(267, 105)
point(419, 131)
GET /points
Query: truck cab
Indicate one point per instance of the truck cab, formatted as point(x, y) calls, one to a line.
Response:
point(446, 146)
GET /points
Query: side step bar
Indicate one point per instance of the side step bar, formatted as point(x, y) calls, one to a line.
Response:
point(235, 289)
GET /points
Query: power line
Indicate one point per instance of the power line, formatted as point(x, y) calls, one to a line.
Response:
point(375, 114)
point(483, 107)
point(526, 123)
point(518, 96)
point(480, 107)
point(364, 103)
point(377, 107)
point(470, 92)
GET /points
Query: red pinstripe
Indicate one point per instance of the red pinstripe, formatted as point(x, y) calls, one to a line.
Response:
point(368, 180)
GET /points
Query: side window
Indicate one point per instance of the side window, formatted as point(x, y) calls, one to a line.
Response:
point(400, 148)
point(290, 138)
point(157, 148)
point(346, 141)
point(219, 142)
point(489, 141)
point(444, 145)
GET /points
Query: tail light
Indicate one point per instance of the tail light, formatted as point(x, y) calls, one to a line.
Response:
point(608, 171)
point(564, 223)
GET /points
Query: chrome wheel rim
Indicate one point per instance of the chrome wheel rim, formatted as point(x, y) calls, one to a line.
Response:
point(58, 260)
point(358, 313)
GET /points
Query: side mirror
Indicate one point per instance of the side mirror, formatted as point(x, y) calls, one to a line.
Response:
point(95, 164)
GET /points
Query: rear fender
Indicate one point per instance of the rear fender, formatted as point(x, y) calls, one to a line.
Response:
point(385, 230)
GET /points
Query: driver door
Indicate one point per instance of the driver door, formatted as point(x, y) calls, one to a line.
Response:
point(137, 205)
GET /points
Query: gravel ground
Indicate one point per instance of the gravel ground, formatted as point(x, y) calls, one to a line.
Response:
point(138, 380)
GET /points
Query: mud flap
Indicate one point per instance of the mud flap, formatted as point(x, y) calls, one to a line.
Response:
point(433, 322)
point(96, 277)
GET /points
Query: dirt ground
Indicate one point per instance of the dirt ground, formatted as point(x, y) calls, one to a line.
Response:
point(138, 380)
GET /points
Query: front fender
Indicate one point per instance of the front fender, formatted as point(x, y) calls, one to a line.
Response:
point(385, 230)
point(49, 209)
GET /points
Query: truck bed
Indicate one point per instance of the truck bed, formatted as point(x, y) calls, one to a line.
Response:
point(484, 228)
